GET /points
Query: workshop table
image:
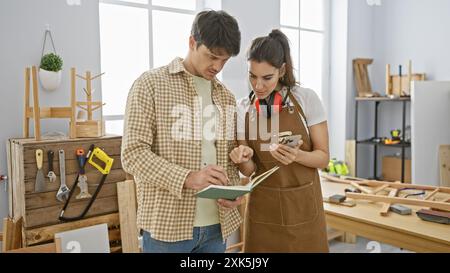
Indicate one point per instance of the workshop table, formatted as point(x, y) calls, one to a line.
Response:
point(404, 231)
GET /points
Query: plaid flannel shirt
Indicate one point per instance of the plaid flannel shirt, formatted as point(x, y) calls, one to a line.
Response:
point(160, 158)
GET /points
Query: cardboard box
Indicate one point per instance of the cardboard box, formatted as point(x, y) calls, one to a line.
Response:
point(392, 169)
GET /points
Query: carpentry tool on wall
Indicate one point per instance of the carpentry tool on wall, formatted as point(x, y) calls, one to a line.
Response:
point(95, 157)
point(63, 191)
point(82, 178)
point(39, 185)
point(51, 174)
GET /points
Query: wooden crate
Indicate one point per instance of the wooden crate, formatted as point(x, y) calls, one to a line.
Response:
point(41, 210)
point(392, 169)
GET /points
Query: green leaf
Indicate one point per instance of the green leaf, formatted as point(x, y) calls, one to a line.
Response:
point(51, 62)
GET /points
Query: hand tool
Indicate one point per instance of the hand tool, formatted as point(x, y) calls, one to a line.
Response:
point(441, 217)
point(39, 185)
point(82, 178)
point(402, 210)
point(98, 155)
point(51, 174)
point(63, 191)
point(337, 198)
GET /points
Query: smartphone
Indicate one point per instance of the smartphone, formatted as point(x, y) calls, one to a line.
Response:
point(290, 141)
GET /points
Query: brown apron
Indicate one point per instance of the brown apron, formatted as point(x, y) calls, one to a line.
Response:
point(285, 212)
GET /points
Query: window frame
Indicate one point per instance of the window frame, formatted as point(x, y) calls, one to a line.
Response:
point(325, 92)
point(199, 5)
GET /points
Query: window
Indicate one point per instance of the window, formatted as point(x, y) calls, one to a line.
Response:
point(305, 24)
point(136, 35)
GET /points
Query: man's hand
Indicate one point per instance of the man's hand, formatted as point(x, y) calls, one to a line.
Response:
point(229, 204)
point(241, 154)
point(209, 175)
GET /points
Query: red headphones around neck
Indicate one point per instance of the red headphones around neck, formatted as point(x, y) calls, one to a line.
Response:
point(273, 103)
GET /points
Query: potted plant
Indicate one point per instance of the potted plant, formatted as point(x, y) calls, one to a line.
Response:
point(50, 71)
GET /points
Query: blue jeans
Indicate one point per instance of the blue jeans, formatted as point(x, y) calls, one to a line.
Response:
point(205, 240)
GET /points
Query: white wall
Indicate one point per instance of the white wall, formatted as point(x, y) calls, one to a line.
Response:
point(432, 129)
point(256, 18)
point(338, 77)
point(75, 32)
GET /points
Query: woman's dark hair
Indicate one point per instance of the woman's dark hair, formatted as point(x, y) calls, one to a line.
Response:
point(217, 30)
point(275, 50)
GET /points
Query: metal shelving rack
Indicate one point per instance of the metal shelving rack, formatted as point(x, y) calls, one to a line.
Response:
point(402, 145)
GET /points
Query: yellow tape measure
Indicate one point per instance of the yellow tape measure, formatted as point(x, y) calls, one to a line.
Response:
point(99, 154)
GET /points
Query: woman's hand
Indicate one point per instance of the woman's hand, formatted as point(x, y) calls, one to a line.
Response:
point(241, 154)
point(286, 154)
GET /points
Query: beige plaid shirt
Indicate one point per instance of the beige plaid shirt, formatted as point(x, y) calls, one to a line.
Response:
point(160, 146)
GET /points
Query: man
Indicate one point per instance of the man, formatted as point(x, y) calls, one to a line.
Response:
point(173, 149)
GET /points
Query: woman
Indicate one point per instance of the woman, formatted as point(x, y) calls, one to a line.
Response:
point(285, 212)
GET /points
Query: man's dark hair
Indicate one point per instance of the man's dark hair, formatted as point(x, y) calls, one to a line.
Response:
point(217, 30)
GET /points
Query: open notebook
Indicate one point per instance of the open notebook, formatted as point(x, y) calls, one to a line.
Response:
point(232, 192)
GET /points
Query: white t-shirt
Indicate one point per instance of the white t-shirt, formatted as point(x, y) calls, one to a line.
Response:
point(307, 98)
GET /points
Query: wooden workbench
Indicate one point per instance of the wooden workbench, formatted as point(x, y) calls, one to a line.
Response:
point(404, 231)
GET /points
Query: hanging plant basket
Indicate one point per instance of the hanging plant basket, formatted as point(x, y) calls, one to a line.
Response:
point(50, 80)
point(50, 67)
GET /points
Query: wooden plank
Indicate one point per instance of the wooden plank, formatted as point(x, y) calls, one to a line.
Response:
point(45, 248)
point(363, 61)
point(73, 103)
point(32, 141)
point(47, 233)
point(357, 186)
point(37, 118)
point(350, 148)
point(48, 199)
point(49, 215)
point(50, 112)
point(444, 165)
point(388, 81)
point(128, 220)
point(12, 234)
point(375, 183)
point(17, 182)
point(384, 211)
point(7, 240)
point(114, 176)
point(380, 188)
point(431, 194)
point(26, 120)
point(386, 199)
point(10, 174)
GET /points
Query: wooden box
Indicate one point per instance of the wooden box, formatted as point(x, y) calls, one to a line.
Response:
point(41, 210)
point(392, 169)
